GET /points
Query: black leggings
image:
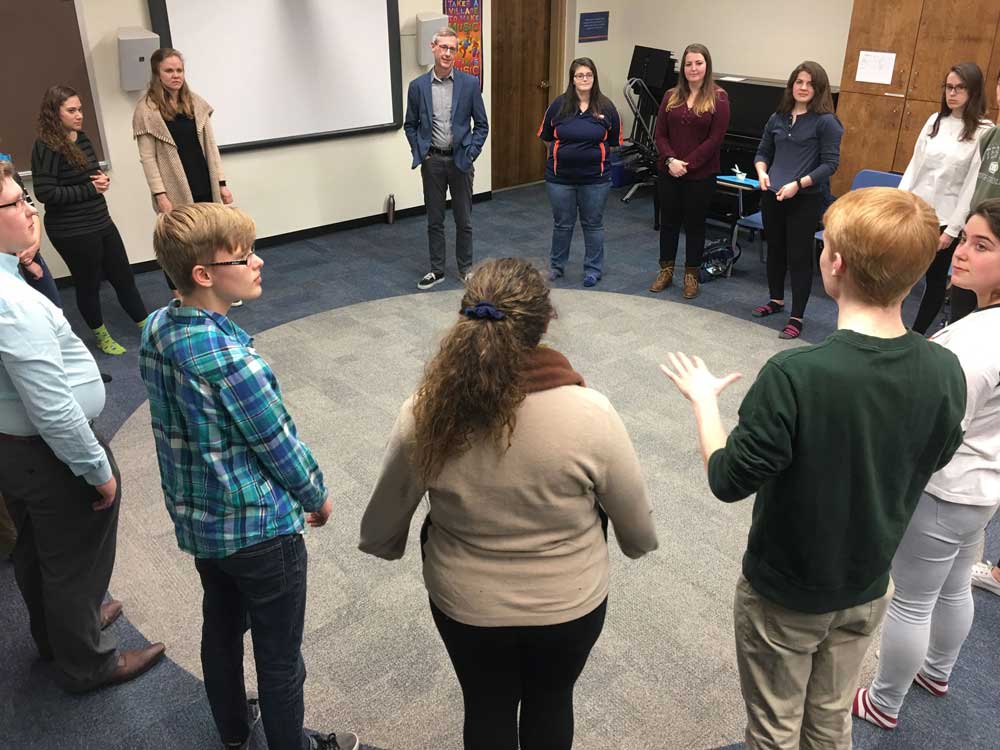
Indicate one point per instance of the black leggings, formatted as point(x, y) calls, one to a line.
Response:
point(790, 227)
point(683, 203)
point(536, 667)
point(936, 282)
point(90, 256)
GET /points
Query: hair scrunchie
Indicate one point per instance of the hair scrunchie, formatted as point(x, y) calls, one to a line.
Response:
point(484, 311)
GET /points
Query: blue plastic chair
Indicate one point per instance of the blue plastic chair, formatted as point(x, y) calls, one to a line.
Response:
point(867, 178)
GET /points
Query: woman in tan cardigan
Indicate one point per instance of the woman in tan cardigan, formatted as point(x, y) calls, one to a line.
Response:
point(173, 128)
point(523, 465)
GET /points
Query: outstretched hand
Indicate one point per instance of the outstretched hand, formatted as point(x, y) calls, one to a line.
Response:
point(693, 378)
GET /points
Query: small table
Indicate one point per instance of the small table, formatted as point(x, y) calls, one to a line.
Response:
point(741, 186)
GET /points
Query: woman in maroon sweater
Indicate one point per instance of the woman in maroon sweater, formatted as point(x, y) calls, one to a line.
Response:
point(689, 129)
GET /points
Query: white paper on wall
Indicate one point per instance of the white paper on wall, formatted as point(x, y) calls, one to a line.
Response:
point(875, 67)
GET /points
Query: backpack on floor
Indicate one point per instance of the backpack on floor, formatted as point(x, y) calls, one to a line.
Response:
point(718, 259)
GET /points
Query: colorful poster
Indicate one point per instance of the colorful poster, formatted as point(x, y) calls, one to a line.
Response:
point(466, 17)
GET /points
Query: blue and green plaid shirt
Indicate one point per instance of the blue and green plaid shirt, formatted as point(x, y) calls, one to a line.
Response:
point(233, 470)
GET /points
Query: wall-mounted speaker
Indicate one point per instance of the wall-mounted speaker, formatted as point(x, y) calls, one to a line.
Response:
point(428, 24)
point(135, 46)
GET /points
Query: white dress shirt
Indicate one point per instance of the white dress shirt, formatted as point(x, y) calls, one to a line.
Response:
point(49, 382)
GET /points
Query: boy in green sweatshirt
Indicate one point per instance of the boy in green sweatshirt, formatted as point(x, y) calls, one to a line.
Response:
point(837, 440)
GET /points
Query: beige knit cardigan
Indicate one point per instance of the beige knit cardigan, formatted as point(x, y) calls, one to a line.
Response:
point(158, 152)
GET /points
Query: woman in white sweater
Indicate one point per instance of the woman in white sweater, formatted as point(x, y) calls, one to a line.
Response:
point(523, 465)
point(940, 163)
point(931, 611)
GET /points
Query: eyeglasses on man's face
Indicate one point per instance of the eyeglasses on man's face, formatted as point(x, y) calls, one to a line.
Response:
point(18, 204)
point(583, 76)
point(244, 261)
point(447, 49)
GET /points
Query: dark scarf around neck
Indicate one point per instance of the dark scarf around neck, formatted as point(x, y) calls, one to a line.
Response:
point(546, 368)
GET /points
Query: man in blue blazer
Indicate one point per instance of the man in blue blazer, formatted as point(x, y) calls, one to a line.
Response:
point(446, 126)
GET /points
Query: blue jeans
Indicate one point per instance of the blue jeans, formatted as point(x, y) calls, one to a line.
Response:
point(589, 201)
point(262, 588)
point(46, 285)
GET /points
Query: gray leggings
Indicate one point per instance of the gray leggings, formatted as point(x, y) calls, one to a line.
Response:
point(931, 612)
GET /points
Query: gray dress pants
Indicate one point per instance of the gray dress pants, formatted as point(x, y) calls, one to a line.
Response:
point(63, 558)
point(439, 173)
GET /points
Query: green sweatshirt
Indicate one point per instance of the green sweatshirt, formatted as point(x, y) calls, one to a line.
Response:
point(838, 441)
point(982, 182)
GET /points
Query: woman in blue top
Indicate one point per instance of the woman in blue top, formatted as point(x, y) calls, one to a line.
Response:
point(798, 152)
point(580, 128)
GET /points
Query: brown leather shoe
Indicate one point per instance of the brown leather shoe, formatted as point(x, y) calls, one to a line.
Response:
point(690, 283)
point(664, 278)
point(131, 664)
point(111, 610)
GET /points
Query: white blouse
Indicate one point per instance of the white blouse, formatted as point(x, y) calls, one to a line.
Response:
point(940, 164)
point(973, 475)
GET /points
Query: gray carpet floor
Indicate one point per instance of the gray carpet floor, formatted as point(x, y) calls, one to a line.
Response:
point(347, 335)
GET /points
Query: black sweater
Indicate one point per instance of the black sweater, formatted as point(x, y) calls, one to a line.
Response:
point(73, 206)
point(838, 441)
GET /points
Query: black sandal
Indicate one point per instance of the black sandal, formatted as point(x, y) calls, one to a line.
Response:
point(769, 309)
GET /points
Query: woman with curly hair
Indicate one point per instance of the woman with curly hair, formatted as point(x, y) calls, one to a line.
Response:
point(69, 181)
point(514, 545)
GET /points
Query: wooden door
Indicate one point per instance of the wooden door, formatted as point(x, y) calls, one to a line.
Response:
point(951, 31)
point(871, 129)
point(521, 89)
point(915, 114)
point(880, 26)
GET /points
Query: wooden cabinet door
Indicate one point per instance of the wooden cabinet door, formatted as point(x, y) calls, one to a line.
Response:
point(915, 114)
point(880, 26)
point(951, 31)
point(871, 129)
point(990, 83)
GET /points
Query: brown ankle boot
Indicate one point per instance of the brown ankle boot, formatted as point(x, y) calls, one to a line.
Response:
point(690, 283)
point(664, 278)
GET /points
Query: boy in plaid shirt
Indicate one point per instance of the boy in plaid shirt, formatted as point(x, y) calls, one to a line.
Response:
point(239, 484)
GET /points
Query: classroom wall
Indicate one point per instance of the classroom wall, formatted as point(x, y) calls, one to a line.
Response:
point(286, 188)
point(760, 38)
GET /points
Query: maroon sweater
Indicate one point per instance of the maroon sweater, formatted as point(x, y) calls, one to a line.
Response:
point(696, 139)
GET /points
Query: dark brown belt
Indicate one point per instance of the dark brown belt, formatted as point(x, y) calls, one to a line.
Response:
point(21, 438)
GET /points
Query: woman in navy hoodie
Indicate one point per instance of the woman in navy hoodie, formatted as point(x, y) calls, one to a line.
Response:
point(580, 128)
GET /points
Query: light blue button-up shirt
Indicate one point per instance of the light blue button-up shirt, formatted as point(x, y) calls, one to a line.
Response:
point(49, 382)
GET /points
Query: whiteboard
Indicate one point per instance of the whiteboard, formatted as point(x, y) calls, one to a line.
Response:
point(282, 71)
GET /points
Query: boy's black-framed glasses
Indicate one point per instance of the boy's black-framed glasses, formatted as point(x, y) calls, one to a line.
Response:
point(241, 262)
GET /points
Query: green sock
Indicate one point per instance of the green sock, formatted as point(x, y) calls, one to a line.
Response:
point(105, 343)
point(142, 323)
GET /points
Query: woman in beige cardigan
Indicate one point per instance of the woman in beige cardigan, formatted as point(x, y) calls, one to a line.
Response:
point(524, 465)
point(173, 128)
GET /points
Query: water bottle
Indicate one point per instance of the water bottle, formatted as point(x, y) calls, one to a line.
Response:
point(390, 209)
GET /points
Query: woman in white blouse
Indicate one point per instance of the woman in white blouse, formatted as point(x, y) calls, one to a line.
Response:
point(938, 168)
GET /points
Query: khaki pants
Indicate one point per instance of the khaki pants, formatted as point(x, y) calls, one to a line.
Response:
point(799, 671)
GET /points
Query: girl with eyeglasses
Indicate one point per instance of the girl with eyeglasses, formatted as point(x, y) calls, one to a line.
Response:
point(798, 153)
point(515, 550)
point(69, 181)
point(937, 171)
point(690, 126)
point(172, 126)
point(580, 128)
